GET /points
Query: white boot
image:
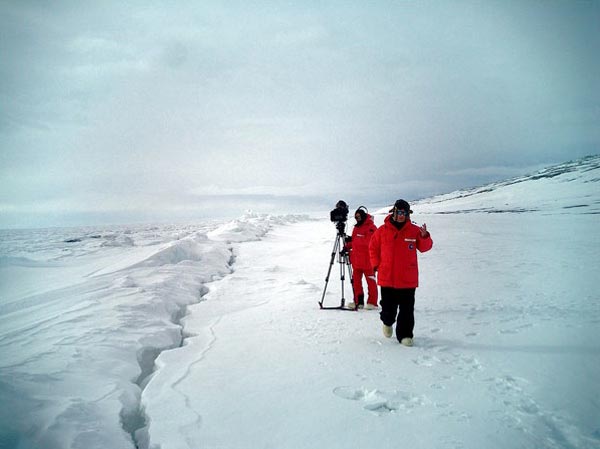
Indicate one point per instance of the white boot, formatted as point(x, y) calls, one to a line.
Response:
point(407, 341)
point(387, 331)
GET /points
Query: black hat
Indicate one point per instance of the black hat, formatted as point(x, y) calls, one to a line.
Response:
point(401, 205)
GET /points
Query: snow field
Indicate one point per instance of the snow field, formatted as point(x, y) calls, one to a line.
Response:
point(504, 350)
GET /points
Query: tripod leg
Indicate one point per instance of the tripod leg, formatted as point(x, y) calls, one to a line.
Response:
point(333, 253)
point(342, 271)
point(349, 266)
point(346, 265)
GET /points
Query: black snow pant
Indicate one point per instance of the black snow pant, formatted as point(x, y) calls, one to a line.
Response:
point(394, 300)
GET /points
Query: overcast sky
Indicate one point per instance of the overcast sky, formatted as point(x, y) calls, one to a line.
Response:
point(133, 111)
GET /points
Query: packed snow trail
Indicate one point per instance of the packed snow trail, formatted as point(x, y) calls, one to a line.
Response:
point(506, 351)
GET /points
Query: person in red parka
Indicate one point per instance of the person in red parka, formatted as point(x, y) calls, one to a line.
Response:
point(361, 262)
point(393, 252)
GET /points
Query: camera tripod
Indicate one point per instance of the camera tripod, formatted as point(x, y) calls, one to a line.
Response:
point(344, 261)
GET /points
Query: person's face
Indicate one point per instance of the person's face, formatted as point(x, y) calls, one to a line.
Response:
point(400, 215)
point(357, 217)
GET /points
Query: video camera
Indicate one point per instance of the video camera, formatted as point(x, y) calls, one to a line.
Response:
point(340, 213)
point(339, 216)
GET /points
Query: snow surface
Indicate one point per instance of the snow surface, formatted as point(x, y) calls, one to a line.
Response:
point(210, 335)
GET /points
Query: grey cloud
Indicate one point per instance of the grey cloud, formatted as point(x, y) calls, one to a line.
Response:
point(114, 100)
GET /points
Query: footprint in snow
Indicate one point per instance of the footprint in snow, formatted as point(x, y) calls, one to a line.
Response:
point(379, 401)
point(426, 360)
point(516, 330)
point(273, 269)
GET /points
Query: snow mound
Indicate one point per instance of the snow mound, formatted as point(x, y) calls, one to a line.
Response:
point(189, 249)
point(252, 226)
point(118, 240)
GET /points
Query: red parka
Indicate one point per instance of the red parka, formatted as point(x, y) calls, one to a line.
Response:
point(361, 237)
point(393, 253)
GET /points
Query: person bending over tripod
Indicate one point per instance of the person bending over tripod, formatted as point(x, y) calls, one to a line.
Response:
point(393, 252)
point(358, 246)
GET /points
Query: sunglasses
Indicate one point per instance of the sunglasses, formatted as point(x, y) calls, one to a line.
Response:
point(401, 212)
